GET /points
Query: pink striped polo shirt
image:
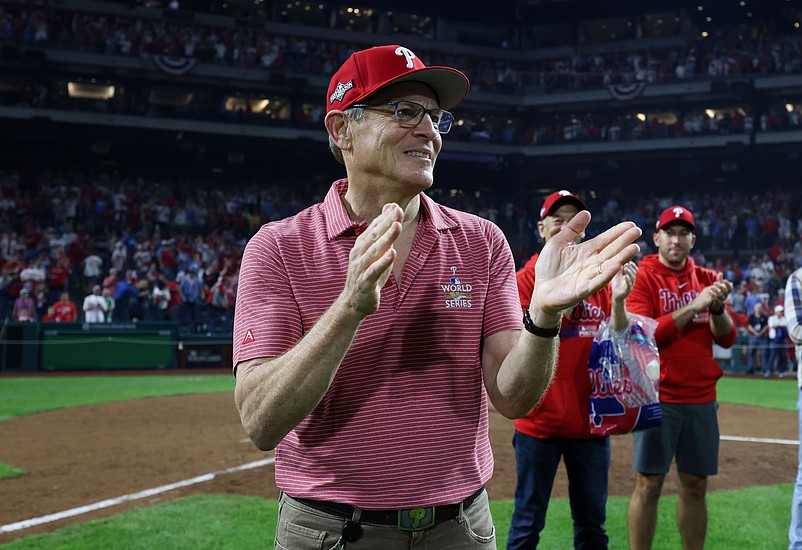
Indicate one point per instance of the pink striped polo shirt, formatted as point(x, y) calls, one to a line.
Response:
point(405, 421)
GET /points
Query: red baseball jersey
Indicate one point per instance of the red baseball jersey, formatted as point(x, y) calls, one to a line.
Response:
point(563, 411)
point(688, 372)
point(66, 312)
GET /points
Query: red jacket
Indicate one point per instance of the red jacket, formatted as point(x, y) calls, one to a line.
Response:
point(564, 410)
point(66, 312)
point(688, 372)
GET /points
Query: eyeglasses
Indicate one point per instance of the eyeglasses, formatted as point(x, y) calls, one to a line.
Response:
point(410, 114)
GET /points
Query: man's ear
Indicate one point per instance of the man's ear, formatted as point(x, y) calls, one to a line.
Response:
point(337, 126)
point(541, 230)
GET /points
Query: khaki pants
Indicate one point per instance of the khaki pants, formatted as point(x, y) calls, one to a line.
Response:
point(300, 527)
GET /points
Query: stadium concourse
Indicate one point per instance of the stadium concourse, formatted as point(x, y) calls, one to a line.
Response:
point(164, 457)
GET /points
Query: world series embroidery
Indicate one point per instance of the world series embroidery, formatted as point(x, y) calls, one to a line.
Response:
point(456, 292)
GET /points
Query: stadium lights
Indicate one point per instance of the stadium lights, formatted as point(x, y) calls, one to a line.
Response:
point(83, 90)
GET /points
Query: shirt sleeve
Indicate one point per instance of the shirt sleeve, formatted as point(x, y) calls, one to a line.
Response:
point(505, 310)
point(267, 320)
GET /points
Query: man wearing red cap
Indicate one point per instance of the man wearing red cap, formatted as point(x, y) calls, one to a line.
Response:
point(371, 328)
point(688, 303)
point(558, 428)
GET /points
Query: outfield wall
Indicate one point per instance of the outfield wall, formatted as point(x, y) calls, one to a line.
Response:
point(157, 345)
point(31, 347)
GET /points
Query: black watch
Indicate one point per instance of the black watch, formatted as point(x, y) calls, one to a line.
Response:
point(538, 331)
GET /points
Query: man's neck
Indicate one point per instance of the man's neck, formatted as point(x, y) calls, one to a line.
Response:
point(366, 209)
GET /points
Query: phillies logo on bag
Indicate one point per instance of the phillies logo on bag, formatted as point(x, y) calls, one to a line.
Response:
point(624, 372)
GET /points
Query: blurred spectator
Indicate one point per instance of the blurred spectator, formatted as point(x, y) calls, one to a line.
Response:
point(778, 343)
point(125, 298)
point(50, 315)
point(95, 306)
point(159, 300)
point(41, 298)
point(757, 351)
point(108, 297)
point(220, 302)
point(58, 277)
point(24, 307)
point(189, 309)
point(119, 257)
point(93, 267)
point(66, 311)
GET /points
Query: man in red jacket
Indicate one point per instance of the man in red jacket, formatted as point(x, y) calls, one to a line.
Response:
point(65, 309)
point(688, 303)
point(558, 427)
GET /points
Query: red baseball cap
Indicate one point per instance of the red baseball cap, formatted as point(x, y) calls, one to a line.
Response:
point(562, 196)
point(368, 71)
point(673, 214)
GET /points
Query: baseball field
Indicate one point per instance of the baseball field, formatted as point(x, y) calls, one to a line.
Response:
point(161, 461)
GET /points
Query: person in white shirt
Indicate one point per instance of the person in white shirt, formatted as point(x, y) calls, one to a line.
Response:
point(95, 306)
point(778, 342)
point(793, 318)
point(93, 266)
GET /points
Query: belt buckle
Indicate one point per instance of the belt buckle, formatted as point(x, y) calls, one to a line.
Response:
point(416, 519)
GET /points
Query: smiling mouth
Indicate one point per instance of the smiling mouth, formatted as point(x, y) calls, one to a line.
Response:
point(418, 154)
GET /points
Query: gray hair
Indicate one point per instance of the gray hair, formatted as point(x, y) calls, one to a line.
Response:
point(355, 114)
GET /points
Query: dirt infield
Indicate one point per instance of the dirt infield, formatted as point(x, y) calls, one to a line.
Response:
point(79, 456)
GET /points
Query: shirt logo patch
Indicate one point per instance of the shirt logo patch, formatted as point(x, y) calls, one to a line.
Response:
point(340, 90)
point(248, 337)
point(456, 293)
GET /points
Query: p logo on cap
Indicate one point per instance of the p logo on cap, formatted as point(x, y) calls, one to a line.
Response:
point(367, 71)
point(673, 214)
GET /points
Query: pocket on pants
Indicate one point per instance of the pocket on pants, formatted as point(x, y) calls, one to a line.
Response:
point(290, 536)
point(299, 528)
point(479, 522)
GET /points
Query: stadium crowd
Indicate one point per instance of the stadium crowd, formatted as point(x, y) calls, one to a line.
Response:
point(726, 53)
point(721, 55)
point(171, 249)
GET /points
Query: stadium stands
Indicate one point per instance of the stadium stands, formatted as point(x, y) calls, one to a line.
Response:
point(157, 137)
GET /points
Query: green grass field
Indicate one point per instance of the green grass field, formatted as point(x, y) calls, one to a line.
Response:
point(754, 518)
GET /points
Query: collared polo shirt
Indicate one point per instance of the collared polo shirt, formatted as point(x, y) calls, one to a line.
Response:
point(405, 420)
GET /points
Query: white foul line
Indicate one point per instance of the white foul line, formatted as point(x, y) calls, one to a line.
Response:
point(257, 464)
point(760, 440)
point(133, 496)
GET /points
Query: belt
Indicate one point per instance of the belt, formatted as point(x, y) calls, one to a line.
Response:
point(413, 519)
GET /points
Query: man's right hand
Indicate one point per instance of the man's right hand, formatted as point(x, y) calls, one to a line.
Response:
point(370, 262)
point(713, 296)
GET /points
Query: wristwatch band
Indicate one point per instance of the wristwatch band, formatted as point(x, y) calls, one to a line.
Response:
point(538, 331)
